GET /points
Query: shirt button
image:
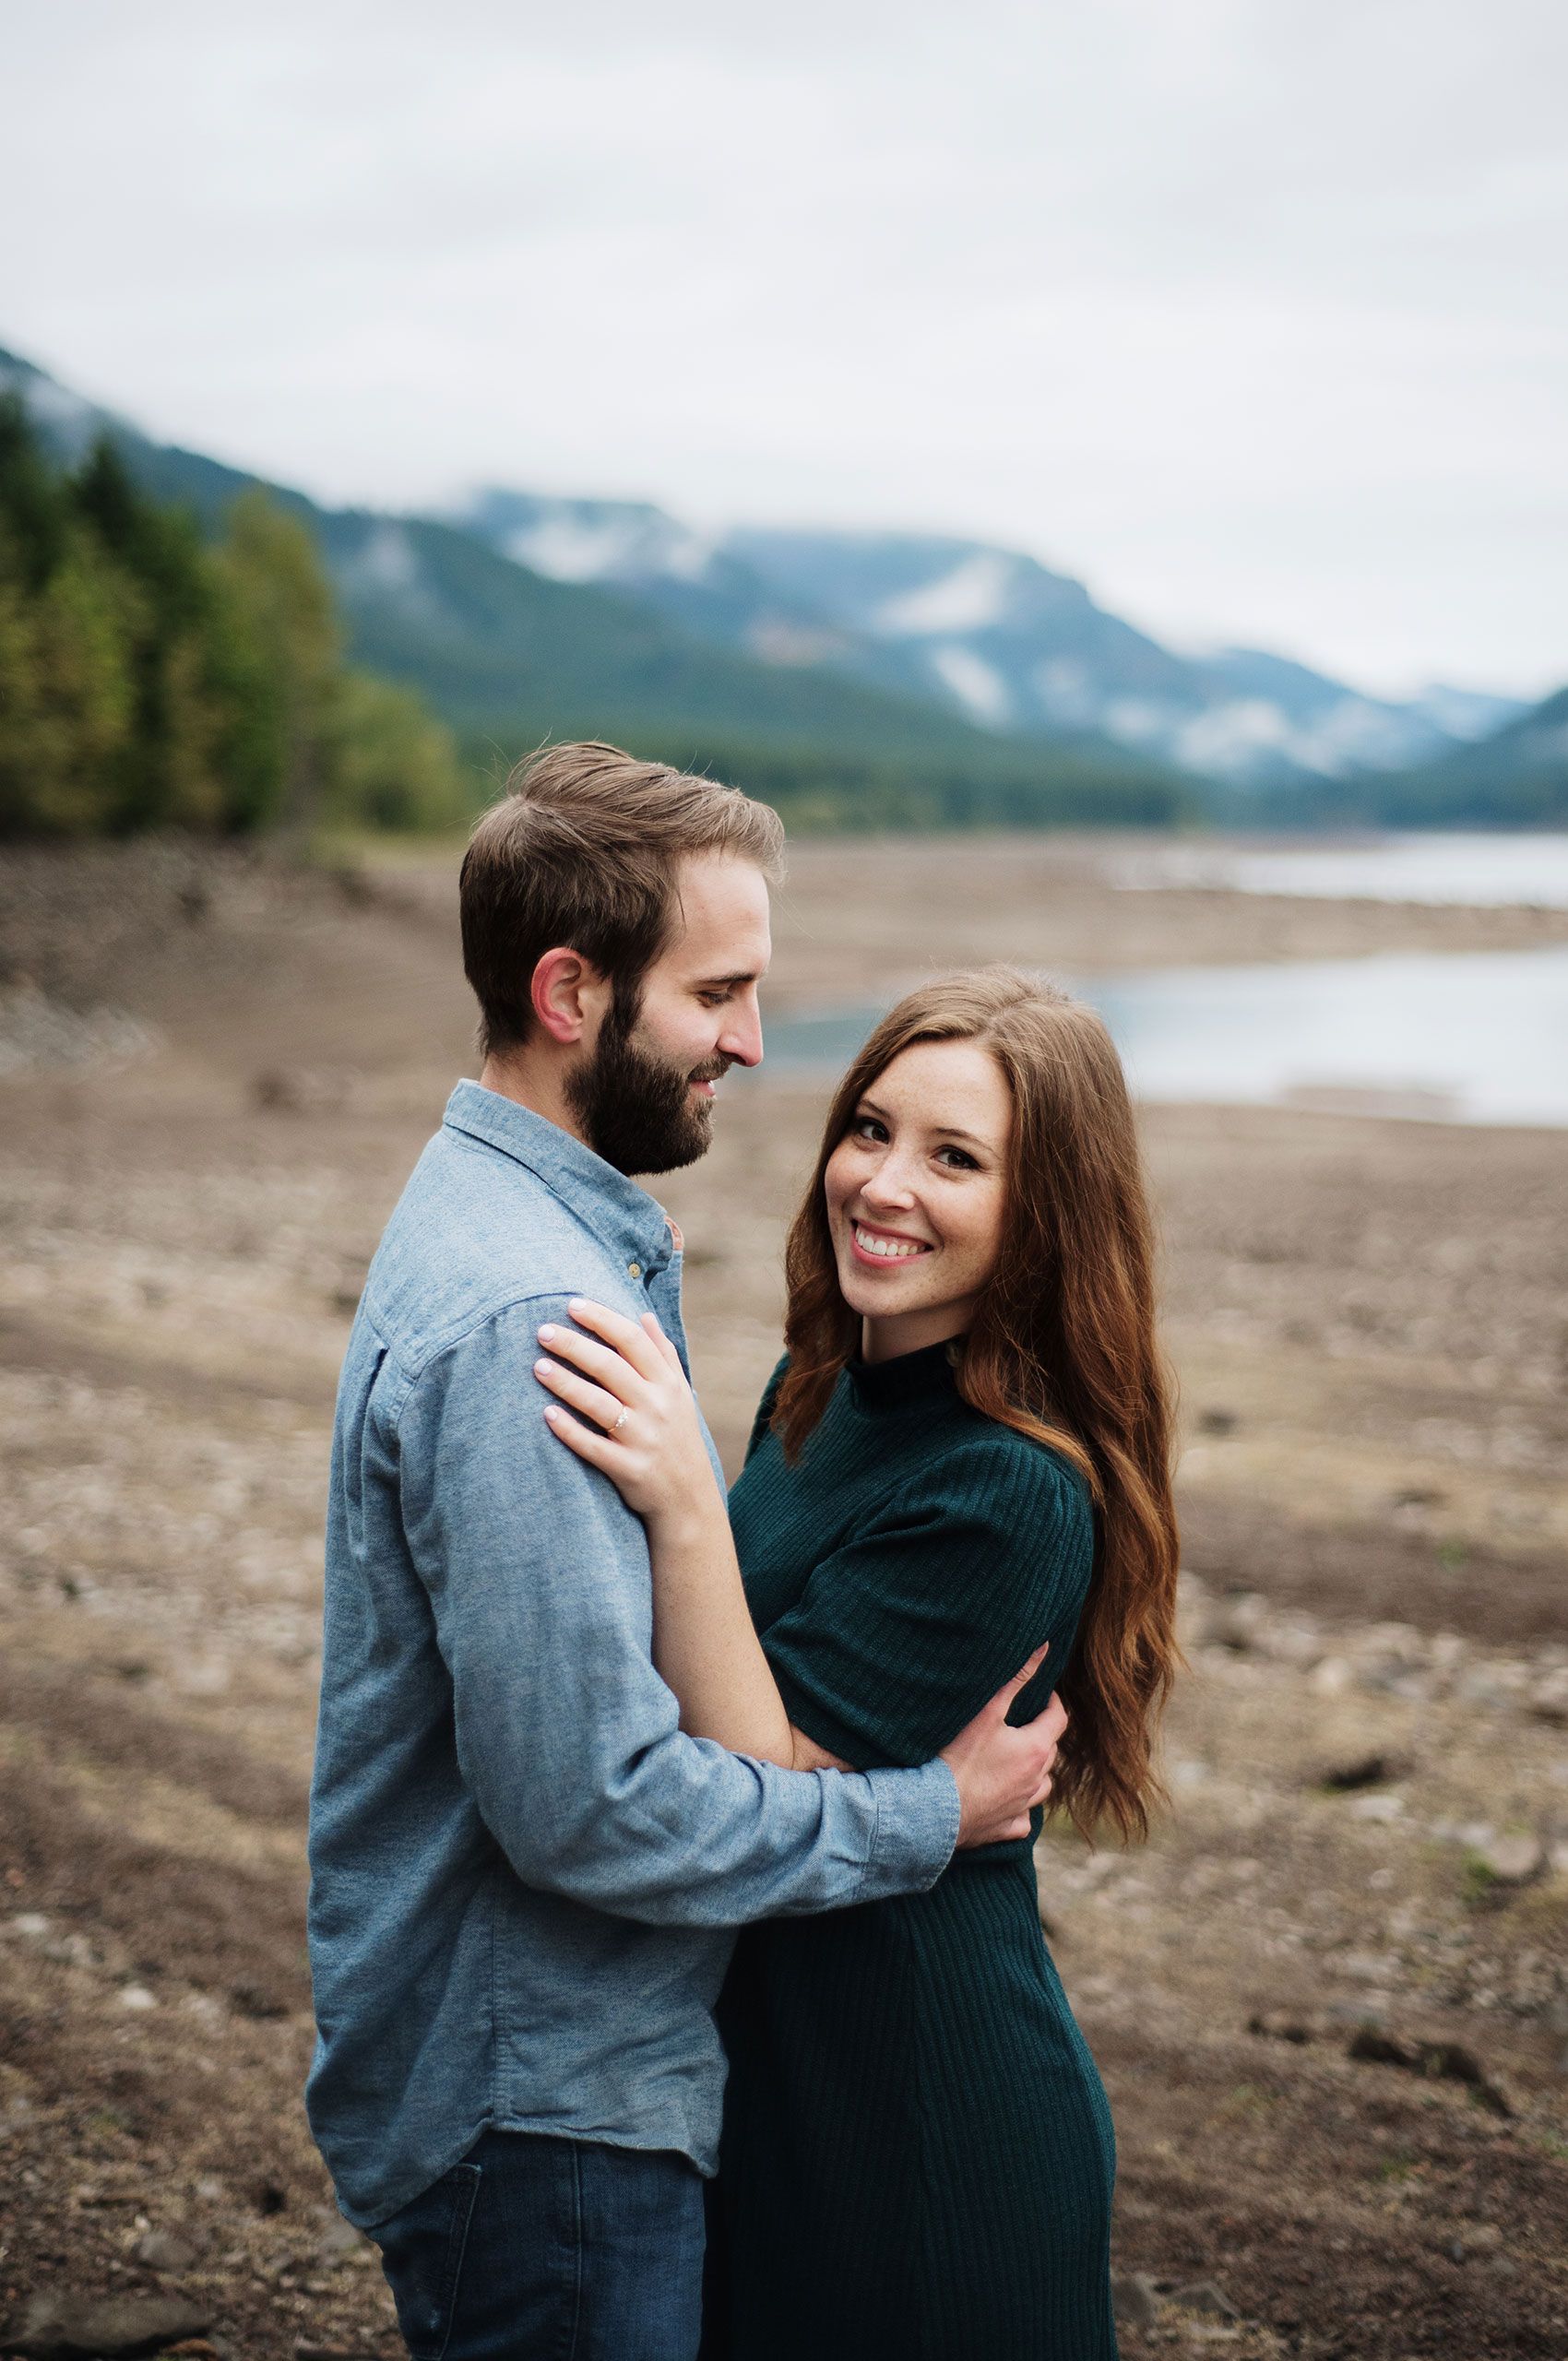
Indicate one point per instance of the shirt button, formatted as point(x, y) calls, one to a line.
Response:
point(634, 1270)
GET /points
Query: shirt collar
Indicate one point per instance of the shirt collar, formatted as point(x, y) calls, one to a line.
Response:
point(632, 1224)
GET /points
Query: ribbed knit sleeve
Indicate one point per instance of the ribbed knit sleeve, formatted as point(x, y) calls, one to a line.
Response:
point(903, 1632)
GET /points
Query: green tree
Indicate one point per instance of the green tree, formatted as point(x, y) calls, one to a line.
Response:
point(281, 604)
point(149, 681)
point(171, 770)
point(391, 765)
point(32, 500)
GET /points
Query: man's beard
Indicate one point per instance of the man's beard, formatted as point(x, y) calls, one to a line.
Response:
point(636, 1107)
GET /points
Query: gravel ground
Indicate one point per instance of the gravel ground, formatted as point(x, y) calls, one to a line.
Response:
point(1329, 1998)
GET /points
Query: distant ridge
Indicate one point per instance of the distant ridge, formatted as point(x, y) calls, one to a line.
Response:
point(1517, 778)
point(858, 678)
point(986, 632)
point(510, 655)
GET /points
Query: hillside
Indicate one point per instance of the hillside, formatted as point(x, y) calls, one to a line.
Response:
point(509, 656)
point(1517, 778)
point(988, 632)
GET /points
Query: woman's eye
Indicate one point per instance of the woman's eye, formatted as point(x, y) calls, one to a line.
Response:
point(960, 1161)
point(866, 1127)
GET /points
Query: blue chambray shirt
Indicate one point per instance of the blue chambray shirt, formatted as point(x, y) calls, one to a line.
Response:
point(523, 1874)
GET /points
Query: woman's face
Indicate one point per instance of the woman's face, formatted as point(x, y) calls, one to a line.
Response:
point(916, 1192)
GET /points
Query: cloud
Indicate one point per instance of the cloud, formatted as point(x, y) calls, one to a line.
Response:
point(1239, 308)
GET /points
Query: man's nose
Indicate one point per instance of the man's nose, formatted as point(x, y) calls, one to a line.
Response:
point(742, 1037)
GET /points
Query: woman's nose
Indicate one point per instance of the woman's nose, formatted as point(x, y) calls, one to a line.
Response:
point(888, 1185)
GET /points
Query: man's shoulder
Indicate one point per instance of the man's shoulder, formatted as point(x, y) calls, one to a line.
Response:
point(474, 1235)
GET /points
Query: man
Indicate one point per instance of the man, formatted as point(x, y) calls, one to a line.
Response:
point(524, 1874)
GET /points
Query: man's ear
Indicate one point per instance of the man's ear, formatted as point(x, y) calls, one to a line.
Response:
point(566, 993)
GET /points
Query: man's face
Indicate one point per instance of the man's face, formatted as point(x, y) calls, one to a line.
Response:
point(644, 1094)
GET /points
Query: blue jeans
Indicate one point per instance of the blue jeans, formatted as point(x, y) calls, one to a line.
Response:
point(536, 2248)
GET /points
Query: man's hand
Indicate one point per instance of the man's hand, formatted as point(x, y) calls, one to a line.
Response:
point(1003, 1772)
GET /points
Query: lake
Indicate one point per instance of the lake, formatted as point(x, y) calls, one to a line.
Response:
point(1448, 1037)
point(1450, 866)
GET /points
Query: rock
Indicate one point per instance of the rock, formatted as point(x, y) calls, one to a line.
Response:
point(1369, 2010)
point(1132, 2300)
point(60, 2326)
point(1275, 2025)
point(1368, 1967)
point(1332, 1677)
point(1292, 1643)
point(1382, 1808)
point(1204, 2297)
point(1372, 2046)
point(137, 1996)
point(1549, 1698)
point(1447, 2061)
point(255, 2000)
point(1193, 1606)
point(1513, 1860)
point(1237, 1622)
point(164, 2250)
point(1480, 1685)
point(300, 1090)
point(1366, 1770)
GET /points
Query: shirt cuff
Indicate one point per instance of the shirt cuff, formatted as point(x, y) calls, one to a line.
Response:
point(916, 1828)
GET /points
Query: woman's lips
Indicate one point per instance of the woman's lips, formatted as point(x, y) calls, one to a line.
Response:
point(896, 1251)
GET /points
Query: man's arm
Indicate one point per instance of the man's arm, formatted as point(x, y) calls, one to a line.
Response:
point(570, 1742)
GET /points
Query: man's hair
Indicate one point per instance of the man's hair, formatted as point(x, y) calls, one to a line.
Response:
point(582, 849)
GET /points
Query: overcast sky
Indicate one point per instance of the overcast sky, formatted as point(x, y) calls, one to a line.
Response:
point(1251, 312)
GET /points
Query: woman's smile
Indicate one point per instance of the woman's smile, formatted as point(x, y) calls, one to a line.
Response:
point(877, 1248)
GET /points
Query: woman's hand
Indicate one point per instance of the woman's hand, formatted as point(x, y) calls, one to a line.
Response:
point(626, 1378)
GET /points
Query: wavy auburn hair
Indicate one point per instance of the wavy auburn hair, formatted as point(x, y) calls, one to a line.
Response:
point(1062, 1348)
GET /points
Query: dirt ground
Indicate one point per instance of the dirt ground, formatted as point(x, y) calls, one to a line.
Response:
point(1329, 1998)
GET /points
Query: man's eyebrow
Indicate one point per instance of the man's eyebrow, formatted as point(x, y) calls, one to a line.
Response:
point(740, 976)
point(943, 1131)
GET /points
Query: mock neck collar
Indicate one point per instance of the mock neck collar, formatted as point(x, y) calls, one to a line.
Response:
point(924, 1376)
point(631, 1222)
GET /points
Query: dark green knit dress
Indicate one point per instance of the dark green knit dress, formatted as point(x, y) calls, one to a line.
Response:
point(918, 2156)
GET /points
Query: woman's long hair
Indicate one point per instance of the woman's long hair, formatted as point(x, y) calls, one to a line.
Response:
point(1062, 1348)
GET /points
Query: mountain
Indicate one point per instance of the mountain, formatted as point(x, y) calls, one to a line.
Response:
point(987, 633)
point(860, 675)
point(510, 652)
point(1517, 777)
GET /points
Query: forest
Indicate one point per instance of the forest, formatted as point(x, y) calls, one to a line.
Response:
point(150, 679)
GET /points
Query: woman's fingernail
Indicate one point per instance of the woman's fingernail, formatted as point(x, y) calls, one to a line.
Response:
point(547, 1335)
point(578, 1304)
point(543, 1368)
point(553, 1412)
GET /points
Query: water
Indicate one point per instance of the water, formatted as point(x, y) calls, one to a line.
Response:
point(1493, 871)
point(1451, 1037)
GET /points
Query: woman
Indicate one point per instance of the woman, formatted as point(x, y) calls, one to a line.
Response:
point(963, 1455)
